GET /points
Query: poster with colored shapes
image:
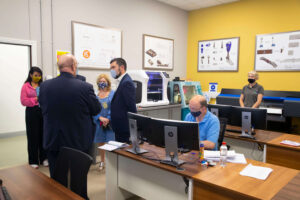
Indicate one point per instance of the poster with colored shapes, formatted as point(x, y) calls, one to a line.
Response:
point(218, 54)
point(278, 52)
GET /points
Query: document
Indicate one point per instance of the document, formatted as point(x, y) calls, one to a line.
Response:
point(261, 173)
point(216, 154)
point(290, 143)
point(113, 145)
point(238, 158)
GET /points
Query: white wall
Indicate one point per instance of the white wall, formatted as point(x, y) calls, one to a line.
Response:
point(49, 23)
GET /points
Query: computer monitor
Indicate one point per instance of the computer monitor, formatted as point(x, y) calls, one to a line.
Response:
point(174, 135)
point(220, 110)
point(248, 119)
point(139, 129)
point(188, 133)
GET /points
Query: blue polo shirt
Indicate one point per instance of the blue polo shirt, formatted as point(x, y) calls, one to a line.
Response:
point(209, 127)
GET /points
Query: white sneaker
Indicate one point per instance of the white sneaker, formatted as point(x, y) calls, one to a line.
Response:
point(45, 163)
point(34, 166)
point(101, 166)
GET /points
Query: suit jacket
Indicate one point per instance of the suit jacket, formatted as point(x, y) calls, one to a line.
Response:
point(82, 78)
point(68, 105)
point(123, 102)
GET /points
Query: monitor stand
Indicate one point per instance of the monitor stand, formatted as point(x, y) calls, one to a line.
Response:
point(246, 125)
point(171, 147)
point(134, 138)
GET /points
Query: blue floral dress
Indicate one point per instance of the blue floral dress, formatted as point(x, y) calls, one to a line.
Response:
point(104, 134)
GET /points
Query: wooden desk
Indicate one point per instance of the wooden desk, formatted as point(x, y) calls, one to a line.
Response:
point(24, 182)
point(150, 179)
point(284, 155)
point(273, 151)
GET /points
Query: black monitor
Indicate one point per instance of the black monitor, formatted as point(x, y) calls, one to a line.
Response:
point(258, 117)
point(220, 110)
point(187, 133)
point(143, 125)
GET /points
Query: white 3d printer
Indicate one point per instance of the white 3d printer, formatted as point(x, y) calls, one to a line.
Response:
point(151, 87)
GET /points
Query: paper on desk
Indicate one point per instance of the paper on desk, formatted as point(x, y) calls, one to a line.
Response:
point(290, 143)
point(108, 147)
point(118, 144)
point(216, 154)
point(238, 158)
point(261, 173)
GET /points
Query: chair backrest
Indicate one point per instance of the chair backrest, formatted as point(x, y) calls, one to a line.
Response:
point(78, 164)
point(223, 123)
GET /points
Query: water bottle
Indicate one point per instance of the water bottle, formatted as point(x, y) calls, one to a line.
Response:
point(223, 154)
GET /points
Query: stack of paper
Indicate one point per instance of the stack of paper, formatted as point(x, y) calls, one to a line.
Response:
point(113, 145)
point(232, 157)
point(290, 143)
point(261, 173)
point(216, 154)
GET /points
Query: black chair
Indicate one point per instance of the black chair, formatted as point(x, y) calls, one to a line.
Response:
point(223, 123)
point(76, 164)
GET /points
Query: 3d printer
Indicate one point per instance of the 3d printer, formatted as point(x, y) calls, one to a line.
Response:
point(182, 92)
point(151, 87)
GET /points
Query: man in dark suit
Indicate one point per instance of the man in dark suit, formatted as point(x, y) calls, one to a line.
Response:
point(80, 77)
point(123, 100)
point(68, 105)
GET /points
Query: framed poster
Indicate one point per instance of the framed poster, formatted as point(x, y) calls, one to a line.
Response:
point(218, 55)
point(278, 52)
point(158, 53)
point(94, 46)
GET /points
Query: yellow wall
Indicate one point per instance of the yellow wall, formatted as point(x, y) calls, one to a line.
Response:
point(243, 19)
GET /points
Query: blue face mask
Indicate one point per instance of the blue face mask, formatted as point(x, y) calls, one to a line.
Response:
point(196, 114)
point(102, 85)
point(113, 74)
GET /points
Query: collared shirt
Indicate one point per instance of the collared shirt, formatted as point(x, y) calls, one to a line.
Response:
point(251, 93)
point(119, 80)
point(209, 127)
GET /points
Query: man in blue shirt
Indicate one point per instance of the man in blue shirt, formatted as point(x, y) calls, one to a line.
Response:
point(209, 125)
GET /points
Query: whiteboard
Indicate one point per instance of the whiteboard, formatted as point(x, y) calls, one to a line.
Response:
point(14, 68)
point(94, 46)
point(218, 55)
point(278, 52)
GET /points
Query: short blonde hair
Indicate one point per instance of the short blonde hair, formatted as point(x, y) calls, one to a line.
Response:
point(107, 80)
point(254, 73)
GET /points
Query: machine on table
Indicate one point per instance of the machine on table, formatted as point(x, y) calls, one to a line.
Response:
point(181, 92)
point(151, 87)
point(280, 105)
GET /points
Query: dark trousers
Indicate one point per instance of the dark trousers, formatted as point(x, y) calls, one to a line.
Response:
point(34, 131)
point(122, 136)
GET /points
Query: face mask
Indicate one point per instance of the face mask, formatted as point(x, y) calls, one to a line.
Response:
point(114, 74)
point(250, 80)
point(102, 85)
point(196, 114)
point(36, 79)
point(77, 71)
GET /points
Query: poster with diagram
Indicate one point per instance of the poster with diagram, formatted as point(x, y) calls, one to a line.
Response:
point(158, 53)
point(278, 52)
point(218, 55)
point(94, 46)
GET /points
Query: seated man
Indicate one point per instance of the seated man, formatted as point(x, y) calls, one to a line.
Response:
point(209, 125)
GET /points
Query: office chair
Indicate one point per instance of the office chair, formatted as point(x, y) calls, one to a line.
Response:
point(76, 164)
point(223, 123)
